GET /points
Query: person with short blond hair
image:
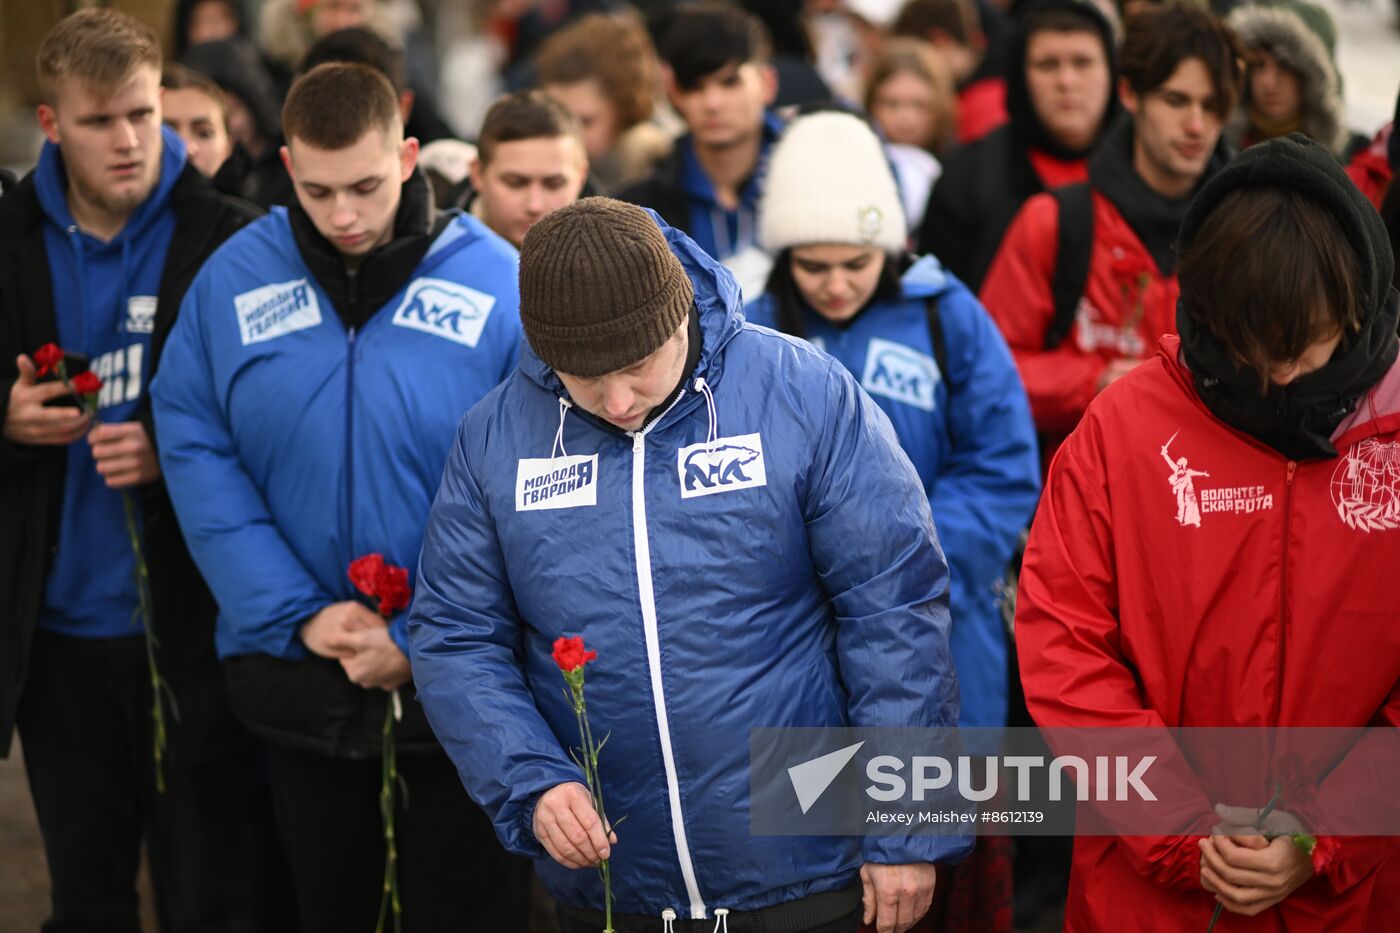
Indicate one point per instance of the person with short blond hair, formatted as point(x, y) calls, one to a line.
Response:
point(100, 48)
point(101, 241)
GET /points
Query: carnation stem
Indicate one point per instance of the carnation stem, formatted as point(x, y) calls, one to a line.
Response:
point(389, 779)
point(159, 688)
point(595, 786)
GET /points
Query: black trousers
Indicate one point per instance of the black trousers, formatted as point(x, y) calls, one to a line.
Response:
point(85, 723)
point(454, 877)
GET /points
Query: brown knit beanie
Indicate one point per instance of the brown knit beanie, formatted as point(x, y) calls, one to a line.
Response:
point(599, 288)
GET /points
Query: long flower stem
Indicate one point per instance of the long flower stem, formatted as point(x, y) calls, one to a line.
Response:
point(389, 779)
point(159, 688)
point(595, 789)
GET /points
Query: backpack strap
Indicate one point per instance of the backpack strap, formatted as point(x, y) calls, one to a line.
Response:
point(1073, 246)
point(940, 356)
point(936, 338)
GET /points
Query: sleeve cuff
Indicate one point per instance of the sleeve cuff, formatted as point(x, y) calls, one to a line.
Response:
point(398, 631)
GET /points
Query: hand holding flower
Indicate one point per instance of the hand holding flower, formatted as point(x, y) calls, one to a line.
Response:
point(124, 455)
point(328, 632)
point(27, 421)
point(568, 826)
point(375, 661)
point(1249, 874)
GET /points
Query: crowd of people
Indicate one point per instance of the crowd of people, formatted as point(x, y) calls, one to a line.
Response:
point(826, 363)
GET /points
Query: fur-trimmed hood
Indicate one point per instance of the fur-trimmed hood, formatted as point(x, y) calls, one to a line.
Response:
point(1303, 41)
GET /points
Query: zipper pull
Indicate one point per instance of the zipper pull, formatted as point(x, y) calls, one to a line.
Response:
point(638, 440)
point(1292, 468)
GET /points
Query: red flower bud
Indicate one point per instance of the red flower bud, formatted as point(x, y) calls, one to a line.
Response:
point(570, 654)
point(86, 383)
point(381, 581)
point(48, 357)
point(364, 573)
point(393, 591)
point(1324, 853)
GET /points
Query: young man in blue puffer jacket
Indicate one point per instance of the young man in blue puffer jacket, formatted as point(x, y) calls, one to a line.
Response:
point(727, 518)
point(320, 362)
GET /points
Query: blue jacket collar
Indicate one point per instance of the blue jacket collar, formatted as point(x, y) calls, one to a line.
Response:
point(925, 278)
point(697, 184)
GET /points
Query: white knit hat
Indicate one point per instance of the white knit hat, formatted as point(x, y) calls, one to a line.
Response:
point(829, 182)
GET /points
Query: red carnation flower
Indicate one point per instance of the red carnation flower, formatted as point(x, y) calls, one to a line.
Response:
point(381, 581)
point(87, 383)
point(48, 357)
point(393, 591)
point(570, 654)
point(1324, 853)
point(365, 571)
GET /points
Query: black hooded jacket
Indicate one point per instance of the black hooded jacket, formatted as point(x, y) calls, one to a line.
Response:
point(234, 65)
point(31, 478)
point(984, 185)
point(1298, 419)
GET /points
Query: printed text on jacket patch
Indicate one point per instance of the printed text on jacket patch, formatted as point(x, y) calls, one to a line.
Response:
point(895, 371)
point(276, 310)
point(141, 314)
point(445, 309)
point(727, 464)
point(556, 483)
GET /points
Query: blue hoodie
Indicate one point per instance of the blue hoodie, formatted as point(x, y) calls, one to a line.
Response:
point(759, 555)
point(974, 448)
point(105, 303)
point(720, 232)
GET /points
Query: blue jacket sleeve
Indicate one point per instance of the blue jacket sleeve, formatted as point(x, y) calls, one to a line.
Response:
point(262, 588)
point(878, 557)
point(987, 489)
point(466, 639)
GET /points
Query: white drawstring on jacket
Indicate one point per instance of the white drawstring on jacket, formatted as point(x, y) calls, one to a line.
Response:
point(668, 920)
point(558, 449)
point(703, 388)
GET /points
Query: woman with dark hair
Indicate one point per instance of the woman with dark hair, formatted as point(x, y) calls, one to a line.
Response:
point(926, 351)
point(1214, 548)
point(193, 106)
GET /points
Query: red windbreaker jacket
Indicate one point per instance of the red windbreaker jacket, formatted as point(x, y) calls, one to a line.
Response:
point(1127, 305)
point(1180, 573)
